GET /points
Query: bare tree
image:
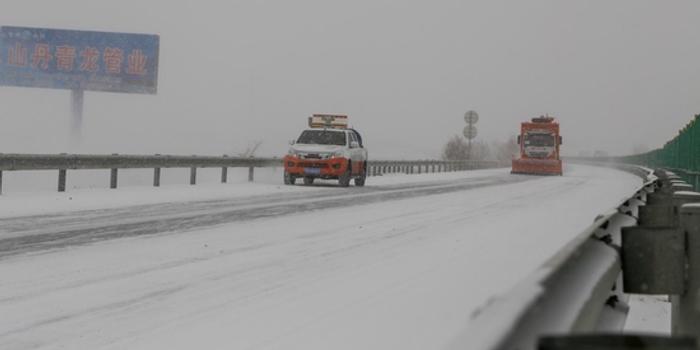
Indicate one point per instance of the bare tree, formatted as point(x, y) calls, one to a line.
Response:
point(250, 149)
point(455, 149)
point(458, 149)
point(505, 151)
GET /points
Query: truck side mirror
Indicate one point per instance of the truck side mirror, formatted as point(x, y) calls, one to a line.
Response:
point(354, 144)
point(518, 139)
point(561, 139)
point(292, 142)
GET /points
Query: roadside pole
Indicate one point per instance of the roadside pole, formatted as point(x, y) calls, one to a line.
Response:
point(77, 102)
point(470, 132)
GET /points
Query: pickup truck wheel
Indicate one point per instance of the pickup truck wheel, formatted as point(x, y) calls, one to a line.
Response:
point(344, 179)
point(360, 181)
point(308, 181)
point(289, 179)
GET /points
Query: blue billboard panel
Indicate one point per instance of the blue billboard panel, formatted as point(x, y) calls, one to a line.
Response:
point(79, 60)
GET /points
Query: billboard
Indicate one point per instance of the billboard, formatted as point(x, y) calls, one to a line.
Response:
point(79, 60)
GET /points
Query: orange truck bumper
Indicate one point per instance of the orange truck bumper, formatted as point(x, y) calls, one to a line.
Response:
point(317, 168)
point(537, 166)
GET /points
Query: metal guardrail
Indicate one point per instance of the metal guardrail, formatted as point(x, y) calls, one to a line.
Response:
point(64, 162)
point(648, 244)
point(379, 167)
point(577, 290)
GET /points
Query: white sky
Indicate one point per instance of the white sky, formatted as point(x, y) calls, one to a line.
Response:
point(616, 73)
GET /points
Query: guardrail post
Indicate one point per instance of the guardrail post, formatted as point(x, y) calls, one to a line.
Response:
point(251, 174)
point(420, 168)
point(193, 176)
point(685, 316)
point(0, 181)
point(156, 177)
point(113, 178)
point(224, 172)
point(61, 180)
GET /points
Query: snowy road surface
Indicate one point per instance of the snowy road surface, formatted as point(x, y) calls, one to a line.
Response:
point(400, 264)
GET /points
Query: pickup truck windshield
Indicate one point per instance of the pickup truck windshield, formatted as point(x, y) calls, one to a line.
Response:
point(322, 137)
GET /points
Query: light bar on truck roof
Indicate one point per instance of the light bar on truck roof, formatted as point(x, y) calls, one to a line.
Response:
point(331, 121)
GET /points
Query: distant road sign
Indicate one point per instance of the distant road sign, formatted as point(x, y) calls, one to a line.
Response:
point(79, 60)
point(471, 117)
point(470, 132)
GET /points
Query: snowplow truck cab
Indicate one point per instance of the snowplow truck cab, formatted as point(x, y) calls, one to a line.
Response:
point(327, 150)
point(539, 142)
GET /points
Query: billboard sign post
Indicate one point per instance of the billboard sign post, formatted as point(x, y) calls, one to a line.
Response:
point(79, 61)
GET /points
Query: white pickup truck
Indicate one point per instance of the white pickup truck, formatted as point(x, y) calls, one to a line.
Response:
point(328, 149)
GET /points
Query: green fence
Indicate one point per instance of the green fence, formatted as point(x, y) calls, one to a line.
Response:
point(680, 155)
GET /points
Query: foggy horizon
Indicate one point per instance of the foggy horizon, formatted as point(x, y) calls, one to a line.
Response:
point(618, 75)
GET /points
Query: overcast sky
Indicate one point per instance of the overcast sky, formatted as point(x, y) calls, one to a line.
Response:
point(616, 73)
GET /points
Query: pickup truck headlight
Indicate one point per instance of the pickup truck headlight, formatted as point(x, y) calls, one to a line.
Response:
point(337, 155)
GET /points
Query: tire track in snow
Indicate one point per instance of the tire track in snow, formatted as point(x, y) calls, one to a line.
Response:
point(37, 233)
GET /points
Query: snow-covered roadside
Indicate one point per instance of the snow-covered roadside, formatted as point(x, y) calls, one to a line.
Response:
point(402, 274)
point(33, 203)
point(649, 314)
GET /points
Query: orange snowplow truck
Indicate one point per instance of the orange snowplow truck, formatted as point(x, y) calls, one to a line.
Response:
point(539, 142)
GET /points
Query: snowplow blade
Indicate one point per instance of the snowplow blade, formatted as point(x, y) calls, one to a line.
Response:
point(537, 166)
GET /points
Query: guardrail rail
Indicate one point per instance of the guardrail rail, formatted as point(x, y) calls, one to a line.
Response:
point(64, 162)
point(648, 244)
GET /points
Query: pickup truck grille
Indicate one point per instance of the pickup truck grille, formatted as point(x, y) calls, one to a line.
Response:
point(313, 165)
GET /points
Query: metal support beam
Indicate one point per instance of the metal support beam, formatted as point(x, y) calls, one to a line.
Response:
point(61, 180)
point(653, 261)
point(685, 315)
point(251, 174)
point(77, 102)
point(113, 178)
point(156, 177)
point(193, 176)
point(224, 175)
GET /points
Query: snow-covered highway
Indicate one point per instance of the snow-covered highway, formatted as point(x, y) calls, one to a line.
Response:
point(400, 264)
